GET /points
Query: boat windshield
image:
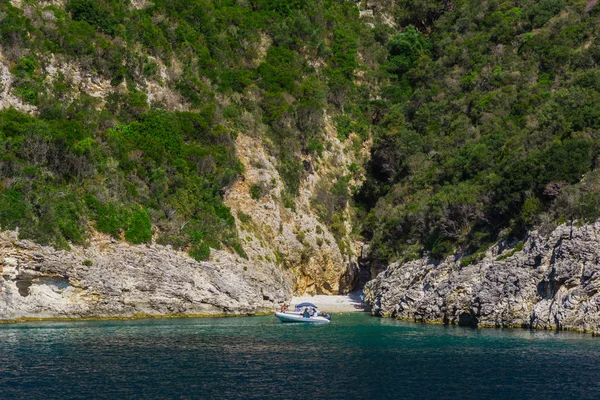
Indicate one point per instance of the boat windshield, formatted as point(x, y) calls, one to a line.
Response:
point(302, 305)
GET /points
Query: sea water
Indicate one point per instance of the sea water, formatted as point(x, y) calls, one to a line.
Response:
point(354, 357)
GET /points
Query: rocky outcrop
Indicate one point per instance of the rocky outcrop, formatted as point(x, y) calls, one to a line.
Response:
point(377, 11)
point(553, 282)
point(109, 278)
point(7, 99)
point(292, 239)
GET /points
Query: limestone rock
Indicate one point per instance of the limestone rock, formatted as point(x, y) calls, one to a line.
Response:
point(109, 279)
point(552, 283)
point(295, 240)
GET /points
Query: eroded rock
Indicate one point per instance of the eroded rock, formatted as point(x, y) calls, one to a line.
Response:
point(109, 279)
point(552, 283)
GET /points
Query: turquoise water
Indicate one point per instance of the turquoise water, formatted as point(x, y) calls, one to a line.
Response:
point(355, 357)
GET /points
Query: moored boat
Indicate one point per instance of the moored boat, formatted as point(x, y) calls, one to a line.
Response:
point(295, 317)
point(304, 313)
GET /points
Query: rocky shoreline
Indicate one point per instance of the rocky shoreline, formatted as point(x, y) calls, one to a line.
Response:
point(113, 279)
point(546, 282)
point(133, 317)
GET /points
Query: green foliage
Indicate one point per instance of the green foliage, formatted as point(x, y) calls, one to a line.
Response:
point(140, 228)
point(237, 247)
point(243, 217)
point(487, 119)
point(440, 248)
point(491, 123)
point(330, 202)
point(279, 71)
point(109, 218)
point(126, 167)
point(200, 252)
point(95, 13)
point(473, 258)
point(66, 216)
point(12, 209)
point(351, 122)
point(140, 185)
point(531, 208)
point(405, 49)
point(539, 14)
point(28, 83)
point(256, 191)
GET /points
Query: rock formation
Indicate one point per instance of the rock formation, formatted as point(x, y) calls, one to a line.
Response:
point(293, 239)
point(115, 279)
point(553, 282)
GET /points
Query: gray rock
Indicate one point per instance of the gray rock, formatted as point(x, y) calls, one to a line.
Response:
point(552, 283)
point(109, 279)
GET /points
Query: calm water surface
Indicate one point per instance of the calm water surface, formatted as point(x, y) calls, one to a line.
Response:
point(355, 357)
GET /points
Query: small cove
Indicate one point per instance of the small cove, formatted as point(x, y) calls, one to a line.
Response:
point(355, 357)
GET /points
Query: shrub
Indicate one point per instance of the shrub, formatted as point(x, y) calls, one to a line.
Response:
point(237, 247)
point(28, 81)
point(200, 252)
point(531, 208)
point(175, 241)
point(518, 247)
point(94, 13)
point(256, 191)
point(441, 248)
point(140, 228)
point(12, 209)
point(243, 217)
point(109, 218)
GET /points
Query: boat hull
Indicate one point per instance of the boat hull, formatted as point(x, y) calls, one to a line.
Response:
point(288, 317)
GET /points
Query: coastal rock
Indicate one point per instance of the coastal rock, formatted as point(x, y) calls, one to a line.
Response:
point(553, 282)
point(108, 279)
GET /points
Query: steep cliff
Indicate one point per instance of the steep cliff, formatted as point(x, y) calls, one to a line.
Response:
point(293, 239)
point(545, 282)
point(99, 93)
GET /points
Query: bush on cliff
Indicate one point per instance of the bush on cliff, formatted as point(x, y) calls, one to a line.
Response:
point(140, 228)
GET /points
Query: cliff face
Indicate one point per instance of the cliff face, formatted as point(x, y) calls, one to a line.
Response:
point(552, 283)
point(293, 239)
point(291, 243)
point(115, 279)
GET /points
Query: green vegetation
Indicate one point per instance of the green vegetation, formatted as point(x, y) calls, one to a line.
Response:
point(493, 111)
point(484, 118)
point(256, 191)
point(329, 203)
point(518, 247)
point(134, 168)
point(59, 175)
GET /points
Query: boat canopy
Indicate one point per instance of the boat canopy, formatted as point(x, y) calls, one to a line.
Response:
point(305, 305)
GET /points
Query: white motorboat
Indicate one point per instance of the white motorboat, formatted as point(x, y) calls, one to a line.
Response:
point(295, 317)
point(304, 313)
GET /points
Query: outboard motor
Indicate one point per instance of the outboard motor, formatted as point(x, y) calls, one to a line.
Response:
point(327, 316)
